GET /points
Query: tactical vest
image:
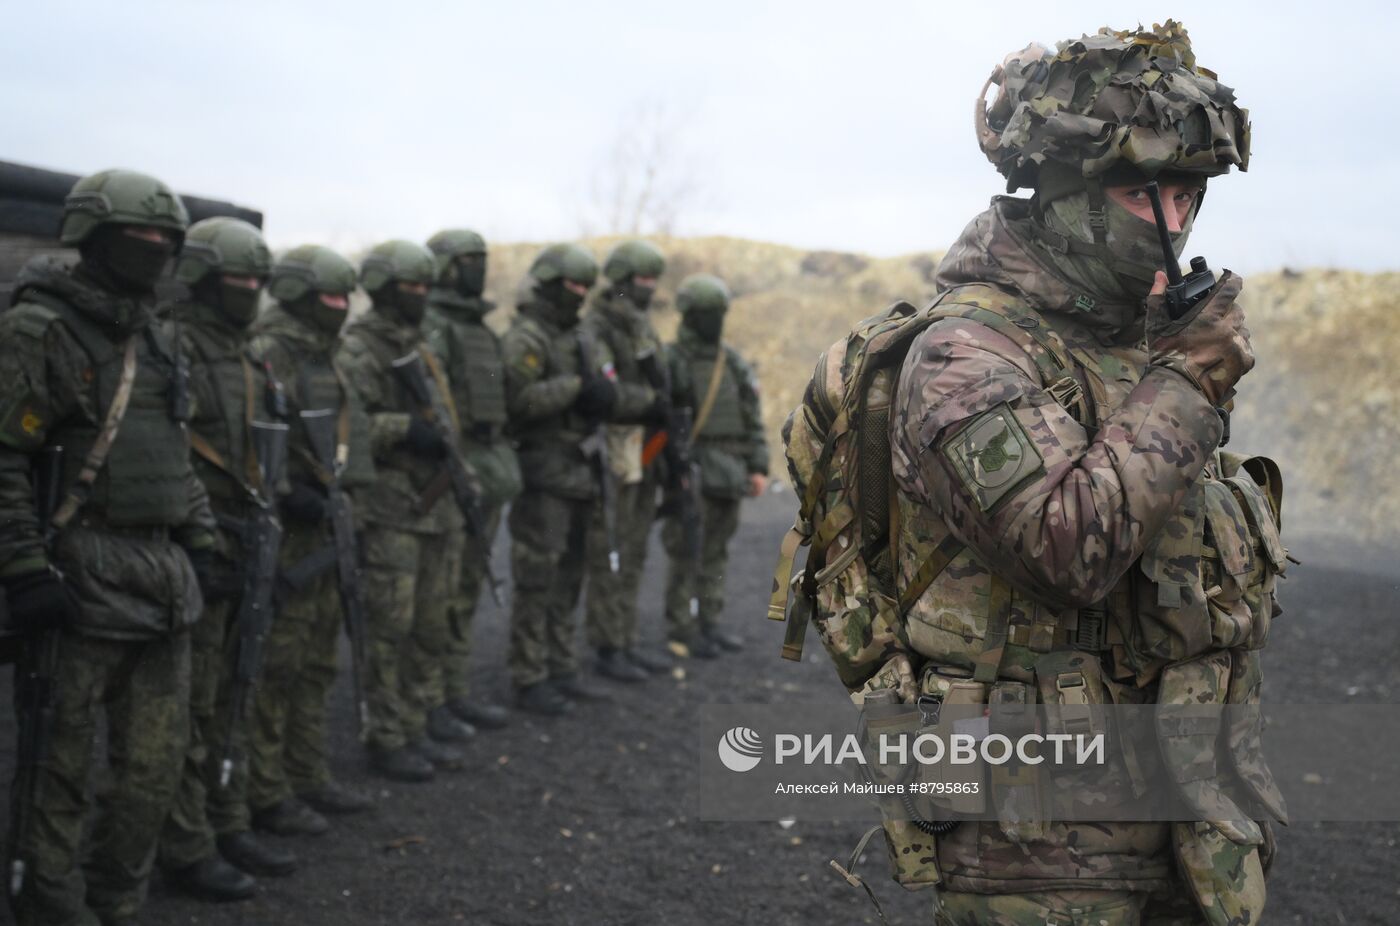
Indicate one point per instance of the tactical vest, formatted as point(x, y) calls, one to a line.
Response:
point(225, 425)
point(567, 427)
point(726, 420)
point(484, 372)
point(144, 482)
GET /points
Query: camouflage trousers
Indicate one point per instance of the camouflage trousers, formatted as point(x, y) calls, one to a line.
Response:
point(549, 541)
point(610, 614)
point(719, 519)
point(408, 578)
point(287, 726)
point(143, 686)
point(461, 607)
point(202, 809)
point(1066, 908)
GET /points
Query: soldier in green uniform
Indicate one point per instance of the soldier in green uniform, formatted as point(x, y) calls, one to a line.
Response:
point(225, 263)
point(730, 453)
point(116, 585)
point(616, 318)
point(555, 403)
point(471, 352)
point(411, 538)
point(289, 783)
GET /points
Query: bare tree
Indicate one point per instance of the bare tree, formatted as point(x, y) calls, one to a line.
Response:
point(645, 179)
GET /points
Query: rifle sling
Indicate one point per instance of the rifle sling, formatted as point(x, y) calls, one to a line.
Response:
point(97, 455)
point(711, 394)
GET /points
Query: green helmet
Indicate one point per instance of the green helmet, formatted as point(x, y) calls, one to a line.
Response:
point(307, 269)
point(397, 260)
point(1110, 101)
point(701, 292)
point(634, 258)
point(120, 197)
point(564, 262)
point(454, 242)
point(223, 245)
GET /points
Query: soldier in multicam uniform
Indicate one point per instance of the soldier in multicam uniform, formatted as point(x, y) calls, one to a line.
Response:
point(411, 542)
point(554, 403)
point(729, 451)
point(1055, 443)
point(225, 263)
point(616, 319)
point(455, 329)
point(84, 367)
point(289, 782)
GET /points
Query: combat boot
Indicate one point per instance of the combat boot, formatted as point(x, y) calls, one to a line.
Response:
point(653, 663)
point(290, 817)
point(248, 853)
point(482, 716)
point(613, 664)
point(402, 764)
point(336, 798)
point(214, 879)
point(445, 727)
point(696, 646)
point(570, 687)
point(542, 698)
point(439, 754)
point(723, 639)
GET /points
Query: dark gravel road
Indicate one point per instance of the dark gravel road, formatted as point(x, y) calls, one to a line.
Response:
point(591, 820)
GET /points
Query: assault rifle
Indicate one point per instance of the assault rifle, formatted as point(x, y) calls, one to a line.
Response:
point(36, 699)
point(412, 371)
point(1183, 292)
point(261, 545)
point(672, 442)
point(595, 451)
point(320, 431)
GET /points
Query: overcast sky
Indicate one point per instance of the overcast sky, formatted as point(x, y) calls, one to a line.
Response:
point(817, 124)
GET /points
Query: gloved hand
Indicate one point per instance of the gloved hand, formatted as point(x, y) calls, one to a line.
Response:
point(40, 600)
point(218, 578)
point(596, 398)
point(658, 413)
point(424, 440)
point(305, 503)
point(1209, 345)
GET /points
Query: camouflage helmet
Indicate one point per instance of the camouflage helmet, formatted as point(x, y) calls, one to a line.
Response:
point(120, 197)
point(634, 258)
point(223, 245)
point(1111, 101)
point(454, 242)
point(307, 269)
point(566, 262)
point(397, 260)
point(701, 292)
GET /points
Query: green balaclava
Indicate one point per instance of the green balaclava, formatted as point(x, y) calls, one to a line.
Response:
point(460, 255)
point(548, 273)
point(300, 278)
point(221, 247)
point(703, 301)
point(390, 264)
point(630, 260)
point(99, 213)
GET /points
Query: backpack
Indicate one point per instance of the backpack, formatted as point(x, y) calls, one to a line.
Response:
point(837, 444)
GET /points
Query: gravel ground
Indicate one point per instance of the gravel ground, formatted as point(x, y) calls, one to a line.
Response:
point(592, 819)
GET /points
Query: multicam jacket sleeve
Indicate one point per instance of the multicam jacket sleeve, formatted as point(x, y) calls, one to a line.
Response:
point(1055, 510)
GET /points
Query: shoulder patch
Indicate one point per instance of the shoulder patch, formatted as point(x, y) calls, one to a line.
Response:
point(993, 456)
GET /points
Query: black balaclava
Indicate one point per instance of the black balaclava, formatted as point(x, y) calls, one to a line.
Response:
point(129, 264)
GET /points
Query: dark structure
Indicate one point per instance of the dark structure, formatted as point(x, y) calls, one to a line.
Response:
point(31, 205)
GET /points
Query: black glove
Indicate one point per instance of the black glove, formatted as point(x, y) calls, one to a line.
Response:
point(425, 441)
point(658, 413)
point(596, 398)
point(218, 578)
point(305, 503)
point(39, 600)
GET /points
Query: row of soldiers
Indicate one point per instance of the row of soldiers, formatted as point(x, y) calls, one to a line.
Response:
point(179, 551)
